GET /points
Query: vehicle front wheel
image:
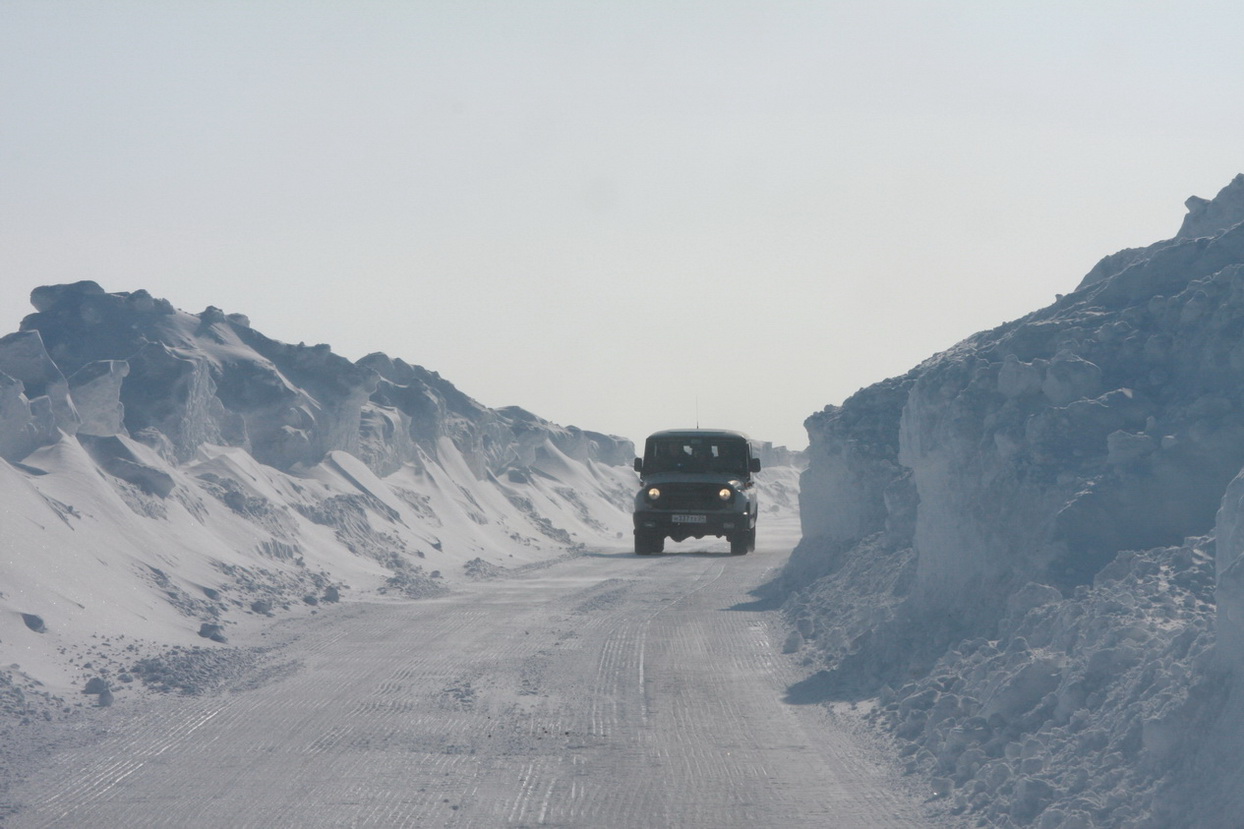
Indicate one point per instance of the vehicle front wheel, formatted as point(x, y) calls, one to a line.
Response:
point(743, 543)
point(647, 543)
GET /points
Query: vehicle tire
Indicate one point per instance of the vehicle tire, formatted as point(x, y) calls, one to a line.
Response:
point(743, 543)
point(647, 543)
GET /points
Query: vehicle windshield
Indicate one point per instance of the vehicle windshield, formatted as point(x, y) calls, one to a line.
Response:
point(697, 454)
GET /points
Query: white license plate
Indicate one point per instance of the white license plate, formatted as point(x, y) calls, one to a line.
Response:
point(689, 519)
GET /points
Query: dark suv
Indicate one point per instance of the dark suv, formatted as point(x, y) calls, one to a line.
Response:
point(693, 483)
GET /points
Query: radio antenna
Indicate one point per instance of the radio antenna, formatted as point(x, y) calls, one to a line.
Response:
point(697, 411)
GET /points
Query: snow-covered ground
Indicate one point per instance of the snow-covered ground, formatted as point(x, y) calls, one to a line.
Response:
point(605, 689)
point(107, 567)
point(170, 481)
point(172, 485)
point(110, 589)
point(1020, 561)
point(98, 572)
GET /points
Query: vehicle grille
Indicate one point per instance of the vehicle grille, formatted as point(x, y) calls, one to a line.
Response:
point(699, 497)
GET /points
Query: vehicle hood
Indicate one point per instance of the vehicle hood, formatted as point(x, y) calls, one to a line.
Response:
point(693, 478)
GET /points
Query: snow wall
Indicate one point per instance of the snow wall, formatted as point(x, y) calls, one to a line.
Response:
point(1028, 548)
point(167, 476)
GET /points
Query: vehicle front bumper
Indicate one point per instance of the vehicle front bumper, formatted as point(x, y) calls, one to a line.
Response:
point(676, 524)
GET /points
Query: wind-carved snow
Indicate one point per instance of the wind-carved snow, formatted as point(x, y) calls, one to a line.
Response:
point(1027, 549)
point(169, 478)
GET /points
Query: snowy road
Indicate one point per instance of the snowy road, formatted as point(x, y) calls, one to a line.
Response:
point(604, 690)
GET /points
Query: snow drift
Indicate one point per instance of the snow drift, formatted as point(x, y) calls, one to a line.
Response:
point(169, 478)
point(1028, 548)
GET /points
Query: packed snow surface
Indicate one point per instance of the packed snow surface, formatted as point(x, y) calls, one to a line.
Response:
point(598, 690)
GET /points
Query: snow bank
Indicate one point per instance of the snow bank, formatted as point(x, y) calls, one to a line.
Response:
point(173, 480)
point(1023, 549)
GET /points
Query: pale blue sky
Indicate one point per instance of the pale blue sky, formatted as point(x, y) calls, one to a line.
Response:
point(610, 213)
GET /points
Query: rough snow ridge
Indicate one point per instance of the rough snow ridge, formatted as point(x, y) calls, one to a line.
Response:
point(1022, 549)
point(168, 476)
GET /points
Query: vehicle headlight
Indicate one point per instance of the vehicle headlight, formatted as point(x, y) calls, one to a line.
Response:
point(653, 493)
point(725, 493)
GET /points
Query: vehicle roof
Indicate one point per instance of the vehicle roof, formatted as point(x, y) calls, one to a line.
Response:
point(698, 433)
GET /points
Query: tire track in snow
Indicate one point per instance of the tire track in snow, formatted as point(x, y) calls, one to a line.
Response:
point(605, 690)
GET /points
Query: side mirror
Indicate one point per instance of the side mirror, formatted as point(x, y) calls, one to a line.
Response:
point(639, 464)
point(754, 464)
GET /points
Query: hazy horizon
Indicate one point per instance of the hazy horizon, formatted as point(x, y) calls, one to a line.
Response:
point(620, 216)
